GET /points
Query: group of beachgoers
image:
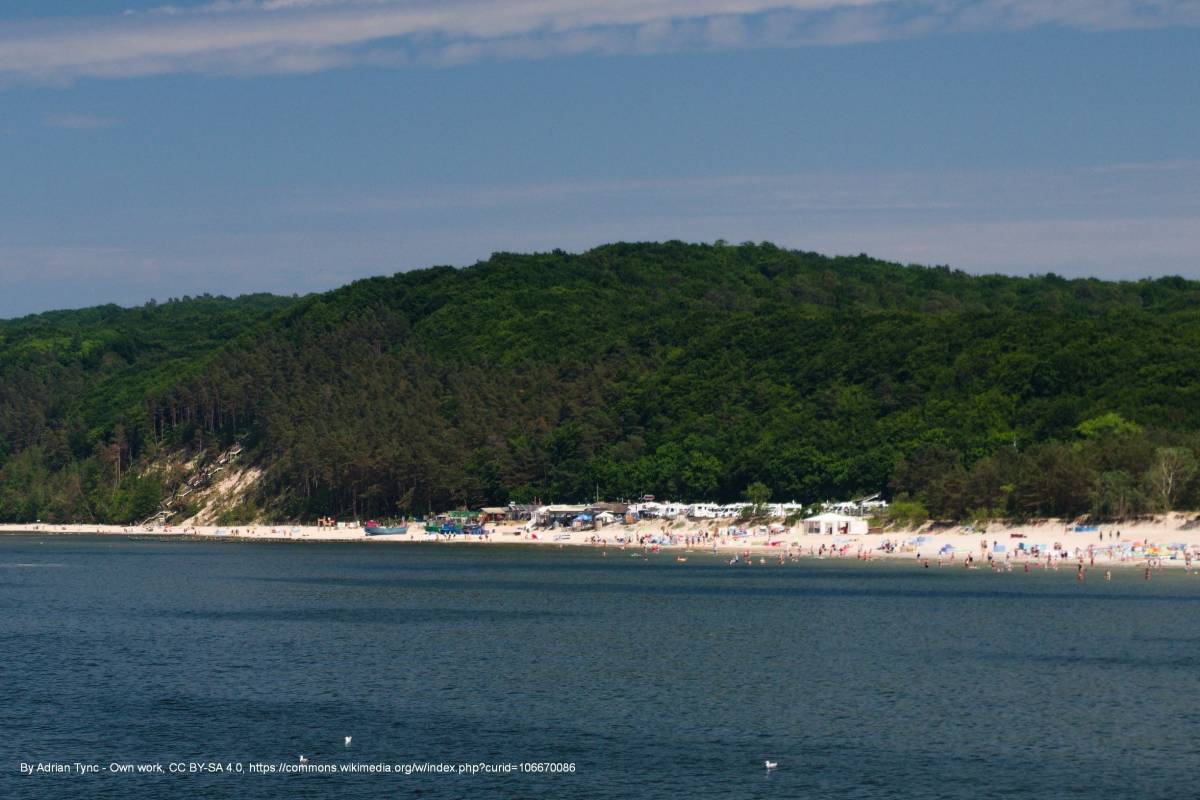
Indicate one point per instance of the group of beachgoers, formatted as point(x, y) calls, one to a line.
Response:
point(991, 553)
point(1025, 548)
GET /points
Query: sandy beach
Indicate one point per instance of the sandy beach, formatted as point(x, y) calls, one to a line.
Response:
point(1166, 541)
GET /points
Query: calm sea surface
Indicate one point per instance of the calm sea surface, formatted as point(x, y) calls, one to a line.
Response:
point(655, 679)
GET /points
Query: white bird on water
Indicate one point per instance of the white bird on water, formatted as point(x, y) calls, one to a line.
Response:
point(771, 764)
point(348, 738)
point(303, 760)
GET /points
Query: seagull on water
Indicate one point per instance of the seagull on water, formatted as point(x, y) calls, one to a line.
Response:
point(771, 764)
point(348, 738)
point(303, 760)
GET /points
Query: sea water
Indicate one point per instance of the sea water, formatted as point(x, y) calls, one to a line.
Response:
point(582, 675)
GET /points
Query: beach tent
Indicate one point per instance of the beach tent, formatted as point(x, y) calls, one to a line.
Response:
point(830, 524)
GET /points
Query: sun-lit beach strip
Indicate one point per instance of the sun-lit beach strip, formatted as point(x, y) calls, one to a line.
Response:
point(1168, 541)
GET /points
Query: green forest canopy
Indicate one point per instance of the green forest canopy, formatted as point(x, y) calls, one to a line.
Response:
point(689, 371)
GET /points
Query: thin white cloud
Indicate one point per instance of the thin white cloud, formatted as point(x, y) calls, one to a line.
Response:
point(1115, 221)
point(67, 265)
point(39, 277)
point(1111, 220)
point(1107, 248)
point(256, 36)
point(1116, 190)
point(79, 122)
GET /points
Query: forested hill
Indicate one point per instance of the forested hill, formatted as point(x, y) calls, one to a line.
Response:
point(75, 398)
point(688, 371)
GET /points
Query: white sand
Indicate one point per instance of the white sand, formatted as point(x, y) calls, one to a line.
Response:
point(1140, 543)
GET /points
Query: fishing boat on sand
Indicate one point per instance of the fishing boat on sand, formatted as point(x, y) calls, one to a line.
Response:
point(373, 528)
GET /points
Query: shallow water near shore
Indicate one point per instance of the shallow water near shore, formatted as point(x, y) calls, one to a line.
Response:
point(656, 679)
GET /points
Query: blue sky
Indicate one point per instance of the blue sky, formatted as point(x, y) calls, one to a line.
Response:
point(294, 145)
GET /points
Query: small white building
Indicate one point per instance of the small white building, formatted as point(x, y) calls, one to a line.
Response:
point(670, 510)
point(830, 524)
point(647, 510)
point(783, 510)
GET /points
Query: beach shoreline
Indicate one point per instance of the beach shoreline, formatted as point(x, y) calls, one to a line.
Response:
point(1170, 541)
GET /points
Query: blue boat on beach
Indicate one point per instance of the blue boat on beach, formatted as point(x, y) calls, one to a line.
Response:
point(457, 528)
point(375, 529)
point(455, 523)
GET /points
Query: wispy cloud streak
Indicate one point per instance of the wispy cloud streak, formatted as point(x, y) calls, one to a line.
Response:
point(1112, 220)
point(266, 36)
point(1111, 190)
point(79, 122)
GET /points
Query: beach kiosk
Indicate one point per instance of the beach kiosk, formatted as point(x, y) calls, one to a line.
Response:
point(830, 524)
point(493, 513)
